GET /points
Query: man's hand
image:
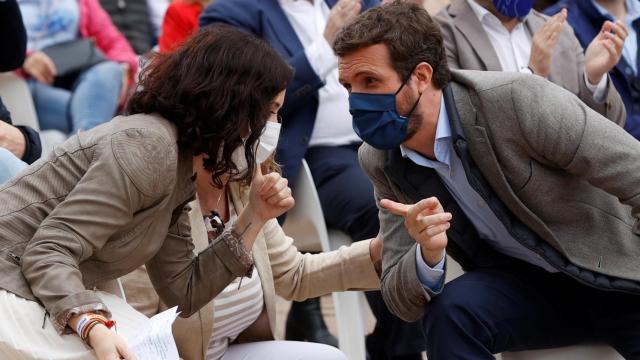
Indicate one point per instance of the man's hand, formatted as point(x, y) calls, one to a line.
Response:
point(40, 66)
point(12, 139)
point(543, 43)
point(343, 13)
point(427, 223)
point(605, 50)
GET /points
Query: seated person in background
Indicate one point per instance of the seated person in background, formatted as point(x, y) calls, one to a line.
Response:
point(316, 126)
point(180, 21)
point(19, 145)
point(502, 35)
point(535, 195)
point(113, 198)
point(133, 20)
point(78, 101)
point(588, 17)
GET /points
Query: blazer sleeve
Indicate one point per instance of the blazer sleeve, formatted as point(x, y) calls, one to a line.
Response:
point(246, 16)
point(113, 190)
point(300, 276)
point(402, 291)
point(571, 136)
point(612, 108)
point(185, 279)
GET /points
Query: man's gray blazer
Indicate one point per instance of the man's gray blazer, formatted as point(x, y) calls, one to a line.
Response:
point(563, 179)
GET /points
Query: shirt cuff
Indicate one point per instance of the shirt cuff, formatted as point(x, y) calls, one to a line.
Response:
point(430, 277)
point(321, 57)
point(599, 90)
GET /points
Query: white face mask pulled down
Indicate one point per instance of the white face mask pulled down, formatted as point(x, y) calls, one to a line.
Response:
point(266, 146)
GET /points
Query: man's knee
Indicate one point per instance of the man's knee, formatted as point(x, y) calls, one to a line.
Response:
point(457, 312)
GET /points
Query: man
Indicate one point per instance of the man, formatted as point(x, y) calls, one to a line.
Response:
point(587, 18)
point(316, 126)
point(503, 35)
point(535, 194)
point(19, 145)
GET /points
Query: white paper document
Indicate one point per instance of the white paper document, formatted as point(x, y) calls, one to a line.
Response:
point(156, 342)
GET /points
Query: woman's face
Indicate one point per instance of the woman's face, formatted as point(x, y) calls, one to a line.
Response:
point(276, 104)
point(203, 179)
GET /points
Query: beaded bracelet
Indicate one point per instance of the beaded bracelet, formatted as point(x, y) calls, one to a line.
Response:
point(88, 321)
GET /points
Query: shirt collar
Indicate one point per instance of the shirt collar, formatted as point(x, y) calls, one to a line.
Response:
point(633, 10)
point(479, 10)
point(442, 141)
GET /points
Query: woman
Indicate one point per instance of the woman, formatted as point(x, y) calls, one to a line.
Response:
point(240, 321)
point(83, 98)
point(111, 199)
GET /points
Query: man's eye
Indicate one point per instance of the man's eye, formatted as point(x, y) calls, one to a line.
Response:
point(370, 81)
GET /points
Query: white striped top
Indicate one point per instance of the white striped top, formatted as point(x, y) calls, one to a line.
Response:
point(237, 307)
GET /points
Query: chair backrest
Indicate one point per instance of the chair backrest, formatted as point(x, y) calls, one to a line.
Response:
point(16, 96)
point(305, 222)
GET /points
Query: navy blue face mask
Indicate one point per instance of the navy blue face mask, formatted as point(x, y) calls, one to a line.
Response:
point(376, 119)
point(514, 8)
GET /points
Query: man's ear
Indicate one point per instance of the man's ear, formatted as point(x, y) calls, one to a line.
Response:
point(423, 74)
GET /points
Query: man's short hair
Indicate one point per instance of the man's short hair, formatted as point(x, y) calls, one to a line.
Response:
point(408, 32)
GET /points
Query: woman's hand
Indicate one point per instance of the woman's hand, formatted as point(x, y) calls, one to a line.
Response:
point(270, 196)
point(108, 345)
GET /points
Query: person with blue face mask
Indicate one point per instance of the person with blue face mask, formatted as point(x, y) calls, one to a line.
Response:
point(511, 176)
point(509, 35)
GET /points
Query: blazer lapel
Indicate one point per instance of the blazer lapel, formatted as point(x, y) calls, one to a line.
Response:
point(281, 26)
point(467, 22)
point(261, 262)
point(484, 157)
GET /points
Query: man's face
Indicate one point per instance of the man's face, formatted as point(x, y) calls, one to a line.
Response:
point(369, 70)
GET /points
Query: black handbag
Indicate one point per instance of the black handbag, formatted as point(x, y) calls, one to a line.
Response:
point(73, 57)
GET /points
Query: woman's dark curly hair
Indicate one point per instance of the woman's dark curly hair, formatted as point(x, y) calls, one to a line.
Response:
point(217, 85)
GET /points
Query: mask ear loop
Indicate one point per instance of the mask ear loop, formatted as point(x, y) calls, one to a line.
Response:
point(415, 105)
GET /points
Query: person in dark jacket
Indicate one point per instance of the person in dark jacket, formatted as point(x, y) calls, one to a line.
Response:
point(133, 20)
point(586, 17)
point(19, 145)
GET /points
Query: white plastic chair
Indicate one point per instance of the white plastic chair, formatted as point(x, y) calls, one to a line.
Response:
point(16, 96)
point(305, 223)
point(578, 352)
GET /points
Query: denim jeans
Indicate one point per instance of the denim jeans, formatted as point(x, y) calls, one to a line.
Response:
point(10, 165)
point(92, 101)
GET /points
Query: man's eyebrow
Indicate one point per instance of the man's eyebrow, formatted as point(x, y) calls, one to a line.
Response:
point(359, 73)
